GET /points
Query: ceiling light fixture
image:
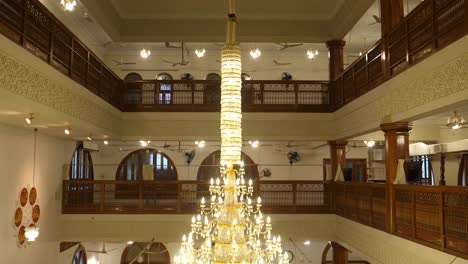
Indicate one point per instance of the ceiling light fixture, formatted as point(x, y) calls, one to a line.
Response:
point(89, 138)
point(144, 143)
point(254, 143)
point(106, 142)
point(369, 143)
point(200, 52)
point(145, 53)
point(29, 119)
point(307, 243)
point(67, 131)
point(312, 54)
point(455, 122)
point(256, 53)
point(31, 233)
point(200, 144)
point(68, 5)
point(130, 242)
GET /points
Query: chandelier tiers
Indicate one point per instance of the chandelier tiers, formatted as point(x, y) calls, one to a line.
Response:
point(231, 229)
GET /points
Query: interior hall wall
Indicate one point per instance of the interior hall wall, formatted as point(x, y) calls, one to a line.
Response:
point(273, 157)
point(16, 161)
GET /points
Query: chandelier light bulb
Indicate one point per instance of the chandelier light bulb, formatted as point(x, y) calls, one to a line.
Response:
point(68, 5)
point(256, 53)
point(456, 126)
point(145, 53)
point(200, 52)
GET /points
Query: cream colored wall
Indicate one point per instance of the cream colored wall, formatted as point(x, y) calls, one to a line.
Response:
point(273, 157)
point(382, 248)
point(16, 162)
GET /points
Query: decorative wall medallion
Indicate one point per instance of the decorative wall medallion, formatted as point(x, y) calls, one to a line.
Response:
point(21, 235)
point(32, 196)
point(18, 216)
point(27, 214)
point(36, 213)
point(24, 197)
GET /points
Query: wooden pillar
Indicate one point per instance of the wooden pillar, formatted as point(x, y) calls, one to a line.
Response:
point(391, 14)
point(396, 147)
point(337, 155)
point(340, 253)
point(442, 170)
point(336, 60)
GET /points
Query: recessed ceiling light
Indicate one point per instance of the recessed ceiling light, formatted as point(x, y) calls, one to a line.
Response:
point(255, 53)
point(145, 53)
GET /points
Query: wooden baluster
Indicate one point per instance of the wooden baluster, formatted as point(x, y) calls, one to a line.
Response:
point(442, 217)
point(261, 93)
point(102, 200)
point(296, 96)
point(192, 88)
point(179, 196)
point(413, 211)
point(294, 186)
point(140, 195)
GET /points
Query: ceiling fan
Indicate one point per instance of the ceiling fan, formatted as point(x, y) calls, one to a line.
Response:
point(281, 63)
point(377, 20)
point(287, 45)
point(121, 62)
point(103, 250)
point(183, 62)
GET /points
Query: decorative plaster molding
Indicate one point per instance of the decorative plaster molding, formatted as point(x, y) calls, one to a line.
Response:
point(25, 81)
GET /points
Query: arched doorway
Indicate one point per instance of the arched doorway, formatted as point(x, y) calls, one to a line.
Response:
point(146, 253)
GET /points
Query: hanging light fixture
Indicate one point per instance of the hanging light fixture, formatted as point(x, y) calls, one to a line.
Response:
point(200, 52)
point(68, 5)
point(144, 143)
point(455, 122)
point(31, 233)
point(254, 143)
point(311, 54)
point(29, 119)
point(67, 131)
point(230, 228)
point(256, 53)
point(144, 53)
point(369, 143)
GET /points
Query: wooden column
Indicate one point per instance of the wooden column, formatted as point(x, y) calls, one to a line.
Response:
point(336, 60)
point(396, 147)
point(391, 14)
point(340, 254)
point(337, 155)
point(442, 170)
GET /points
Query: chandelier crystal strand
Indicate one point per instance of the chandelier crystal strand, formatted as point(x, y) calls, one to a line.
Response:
point(230, 227)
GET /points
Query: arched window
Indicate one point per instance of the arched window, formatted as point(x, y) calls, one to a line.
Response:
point(209, 168)
point(81, 165)
point(213, 77)
point(146, 164)
point(133, 76)
point(146, 253)
point(80, 256)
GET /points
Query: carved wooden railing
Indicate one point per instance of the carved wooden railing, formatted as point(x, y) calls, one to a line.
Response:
point(435, 216)
point(204, 96)
point(140, 197)
point(29, 24)
point(430, 27)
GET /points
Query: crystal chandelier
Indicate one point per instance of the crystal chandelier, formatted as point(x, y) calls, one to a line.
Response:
point(230, 228)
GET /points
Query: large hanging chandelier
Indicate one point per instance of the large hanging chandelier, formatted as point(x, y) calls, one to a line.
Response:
point(230, 228)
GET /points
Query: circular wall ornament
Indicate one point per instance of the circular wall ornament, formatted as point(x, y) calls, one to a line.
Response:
point(21, 235)
point(18, 216)
point(36, 213)
point(24, 197)
point(32, 196)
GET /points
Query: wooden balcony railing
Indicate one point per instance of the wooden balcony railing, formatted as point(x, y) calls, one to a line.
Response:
point(140, 197)
point(430, 27)
point(435, 216)
point(204, 96)
point(29, 24)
